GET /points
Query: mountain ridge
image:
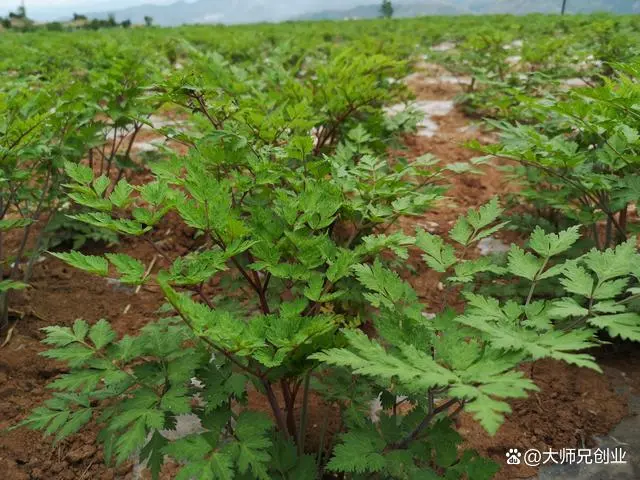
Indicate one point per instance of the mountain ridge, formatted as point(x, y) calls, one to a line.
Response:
point(252, 11)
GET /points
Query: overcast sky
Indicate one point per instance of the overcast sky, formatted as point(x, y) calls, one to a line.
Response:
point(62, 4)
point(46, 9)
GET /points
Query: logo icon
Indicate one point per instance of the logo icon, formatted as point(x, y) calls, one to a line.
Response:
point(513, 456)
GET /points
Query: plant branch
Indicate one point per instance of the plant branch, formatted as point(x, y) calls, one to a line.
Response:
point(404, 443)
point(275, 408)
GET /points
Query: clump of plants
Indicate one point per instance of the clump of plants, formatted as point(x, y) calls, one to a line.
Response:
point(113, 110)
point(580, 166)
point(38, 132)
point(294, 255)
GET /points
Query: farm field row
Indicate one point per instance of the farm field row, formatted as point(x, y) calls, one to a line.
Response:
point(369, 249)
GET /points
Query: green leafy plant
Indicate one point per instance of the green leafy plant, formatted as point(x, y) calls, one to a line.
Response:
point(37, 131)
point(470, 361)
point(114, 111)
point(293, 205)
point(117, 108)
point(284, 227)
point(582, 162)
point(206, 359)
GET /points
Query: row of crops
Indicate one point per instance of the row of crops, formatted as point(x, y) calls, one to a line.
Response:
point(273, 149)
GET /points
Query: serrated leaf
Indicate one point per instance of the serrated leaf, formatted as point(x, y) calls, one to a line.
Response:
point(101, 334)
point(121, 195)
point(437, 254)
point(341, 266)
point(131, 270)
point(78, 172)
point(485, 215)
point(523, 264)
point(11, 223)
point(63, 336)
point(74, 423)
point(6, 285)
point(83, 380)
point(488, 412)
point(358, 452)
point(577, 280)
point(416, 370)
point(253, 444)
point(88, 263)
point(101, 184)
point(92, 201)
point(608, 306)
point(313, 290)
point(130, 440)
point(461, 232)
point(550, 244)
point(612, 263)
point(153, 455)
point(623, 325)
point(190, 448)
point(567, 307)
point(221, 465)
point(466, 270)
point(610, 289)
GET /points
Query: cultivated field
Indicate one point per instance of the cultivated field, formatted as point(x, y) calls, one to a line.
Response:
point(388, 249)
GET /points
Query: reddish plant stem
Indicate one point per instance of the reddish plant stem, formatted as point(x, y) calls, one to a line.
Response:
point(289, 402)
point(331, 131)
point(136, 130)
point(204, 298)
point(622, 220)
point(277, 411)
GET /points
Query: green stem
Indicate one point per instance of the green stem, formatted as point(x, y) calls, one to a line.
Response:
point(323, 433)
point(534, 282)
point(404, 443)
point(304, 414)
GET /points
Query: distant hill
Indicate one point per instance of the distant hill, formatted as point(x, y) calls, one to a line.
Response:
point(399, 10)
point(519, 7)
point(249, 11)
point(222, 11)
point(461, 7)
point(200, 11)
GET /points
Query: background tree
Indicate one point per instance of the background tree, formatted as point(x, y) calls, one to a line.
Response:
point(148, 20)
point(54, 26)
point(386, 9)
point(564, 7)
point(22, 11)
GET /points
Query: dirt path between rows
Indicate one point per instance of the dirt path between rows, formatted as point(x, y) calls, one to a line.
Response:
point(573, 404)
